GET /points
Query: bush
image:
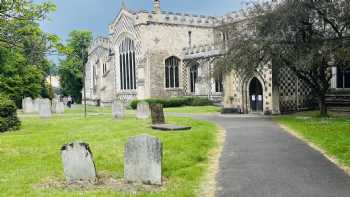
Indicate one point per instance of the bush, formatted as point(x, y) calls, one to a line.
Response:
point(8, 115)
point(175, 102)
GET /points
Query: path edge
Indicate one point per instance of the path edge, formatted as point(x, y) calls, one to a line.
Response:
point(208, 185)
point(315, 147)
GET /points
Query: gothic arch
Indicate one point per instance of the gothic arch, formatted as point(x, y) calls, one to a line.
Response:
point(172, 72)
point(127, 64)
point(245, 84)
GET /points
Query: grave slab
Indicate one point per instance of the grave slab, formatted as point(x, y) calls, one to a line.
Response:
point(170, 127)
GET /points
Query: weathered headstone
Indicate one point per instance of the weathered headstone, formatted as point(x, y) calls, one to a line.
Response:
point(45, 108)
point(53, 105)
point(157, 114)
point(36, 104)
point(27, 105)
point(143, 160)
point(118, 109)
point(143, 110)
point(78, 164)
point(57, 106)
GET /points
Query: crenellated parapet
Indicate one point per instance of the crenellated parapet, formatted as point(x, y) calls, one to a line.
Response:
point(232, 17)
point(206, 50)
point(99, 42)
point(163, 17)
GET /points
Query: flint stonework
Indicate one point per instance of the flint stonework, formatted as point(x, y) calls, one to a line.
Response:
point(157, 114)
point(27, 105)
point(45, 108)
point(143, 110)
point(78, 164)
point(143, 160)
point(118, 109)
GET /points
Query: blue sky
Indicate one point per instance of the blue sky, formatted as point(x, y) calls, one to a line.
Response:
point(96, 15)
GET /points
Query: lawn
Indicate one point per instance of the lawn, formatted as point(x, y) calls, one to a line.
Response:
point(194, 110)
point(31, 155)
point(330, 134)
point(186, 110)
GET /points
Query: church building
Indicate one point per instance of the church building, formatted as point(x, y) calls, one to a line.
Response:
point(161, 54)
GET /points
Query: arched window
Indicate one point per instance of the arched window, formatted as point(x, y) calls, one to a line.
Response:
point(127, 65)
point(219, 86)
point(172, 72)
point(193, 77)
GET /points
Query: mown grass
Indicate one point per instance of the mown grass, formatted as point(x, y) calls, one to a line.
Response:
point(194, 110)
point(32, 155)
point(186, 110)
point(330, 134)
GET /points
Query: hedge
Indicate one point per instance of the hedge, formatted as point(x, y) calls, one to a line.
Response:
point(8, 115)
point(175, 102)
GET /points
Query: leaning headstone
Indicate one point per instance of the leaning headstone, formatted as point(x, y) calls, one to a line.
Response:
point(118, 109)
point(45, 108)
point(27, 105)
point(143, 160)
point(36, 104)
point(143, 110)
point(78, 164)
point(157, 114)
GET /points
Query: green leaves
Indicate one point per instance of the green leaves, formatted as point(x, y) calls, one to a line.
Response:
point(71, 70)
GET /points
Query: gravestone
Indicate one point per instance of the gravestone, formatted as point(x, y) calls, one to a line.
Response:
point(36, 104)
point(143, 160)
point(57, 106)
point(53, 105)
point(118, 109)
point(78, 164)
point(157, 114)
point(45, 108)
point(143, 110)
point(27, 105)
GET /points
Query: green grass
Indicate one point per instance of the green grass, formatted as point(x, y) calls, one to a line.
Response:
point(185, 110)
point(194, 110)
point(32, 155)
point(331, 134)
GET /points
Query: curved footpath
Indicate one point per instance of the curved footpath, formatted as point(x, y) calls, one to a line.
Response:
point(260, 159)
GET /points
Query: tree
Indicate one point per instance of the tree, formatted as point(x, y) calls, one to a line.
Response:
point(24, 48)
point(306, 36)
point(71, 69)
point(15, 13)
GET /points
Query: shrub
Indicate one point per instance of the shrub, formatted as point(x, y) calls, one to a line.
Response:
point(175, 102)
point(8, 115)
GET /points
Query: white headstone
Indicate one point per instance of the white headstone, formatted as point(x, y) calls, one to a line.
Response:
point(27, 105)
point(143, 160)
point(143, 110)
point(118, 109)
point(36, 104)
point(57, 106)
point(45, 108)
point(78, 164)
point(60, 108)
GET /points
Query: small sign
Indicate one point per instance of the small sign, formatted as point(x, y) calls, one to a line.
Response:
point(260, 98)
point(253, 98)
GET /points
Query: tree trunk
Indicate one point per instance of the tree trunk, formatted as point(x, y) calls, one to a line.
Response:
point(323, 106)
